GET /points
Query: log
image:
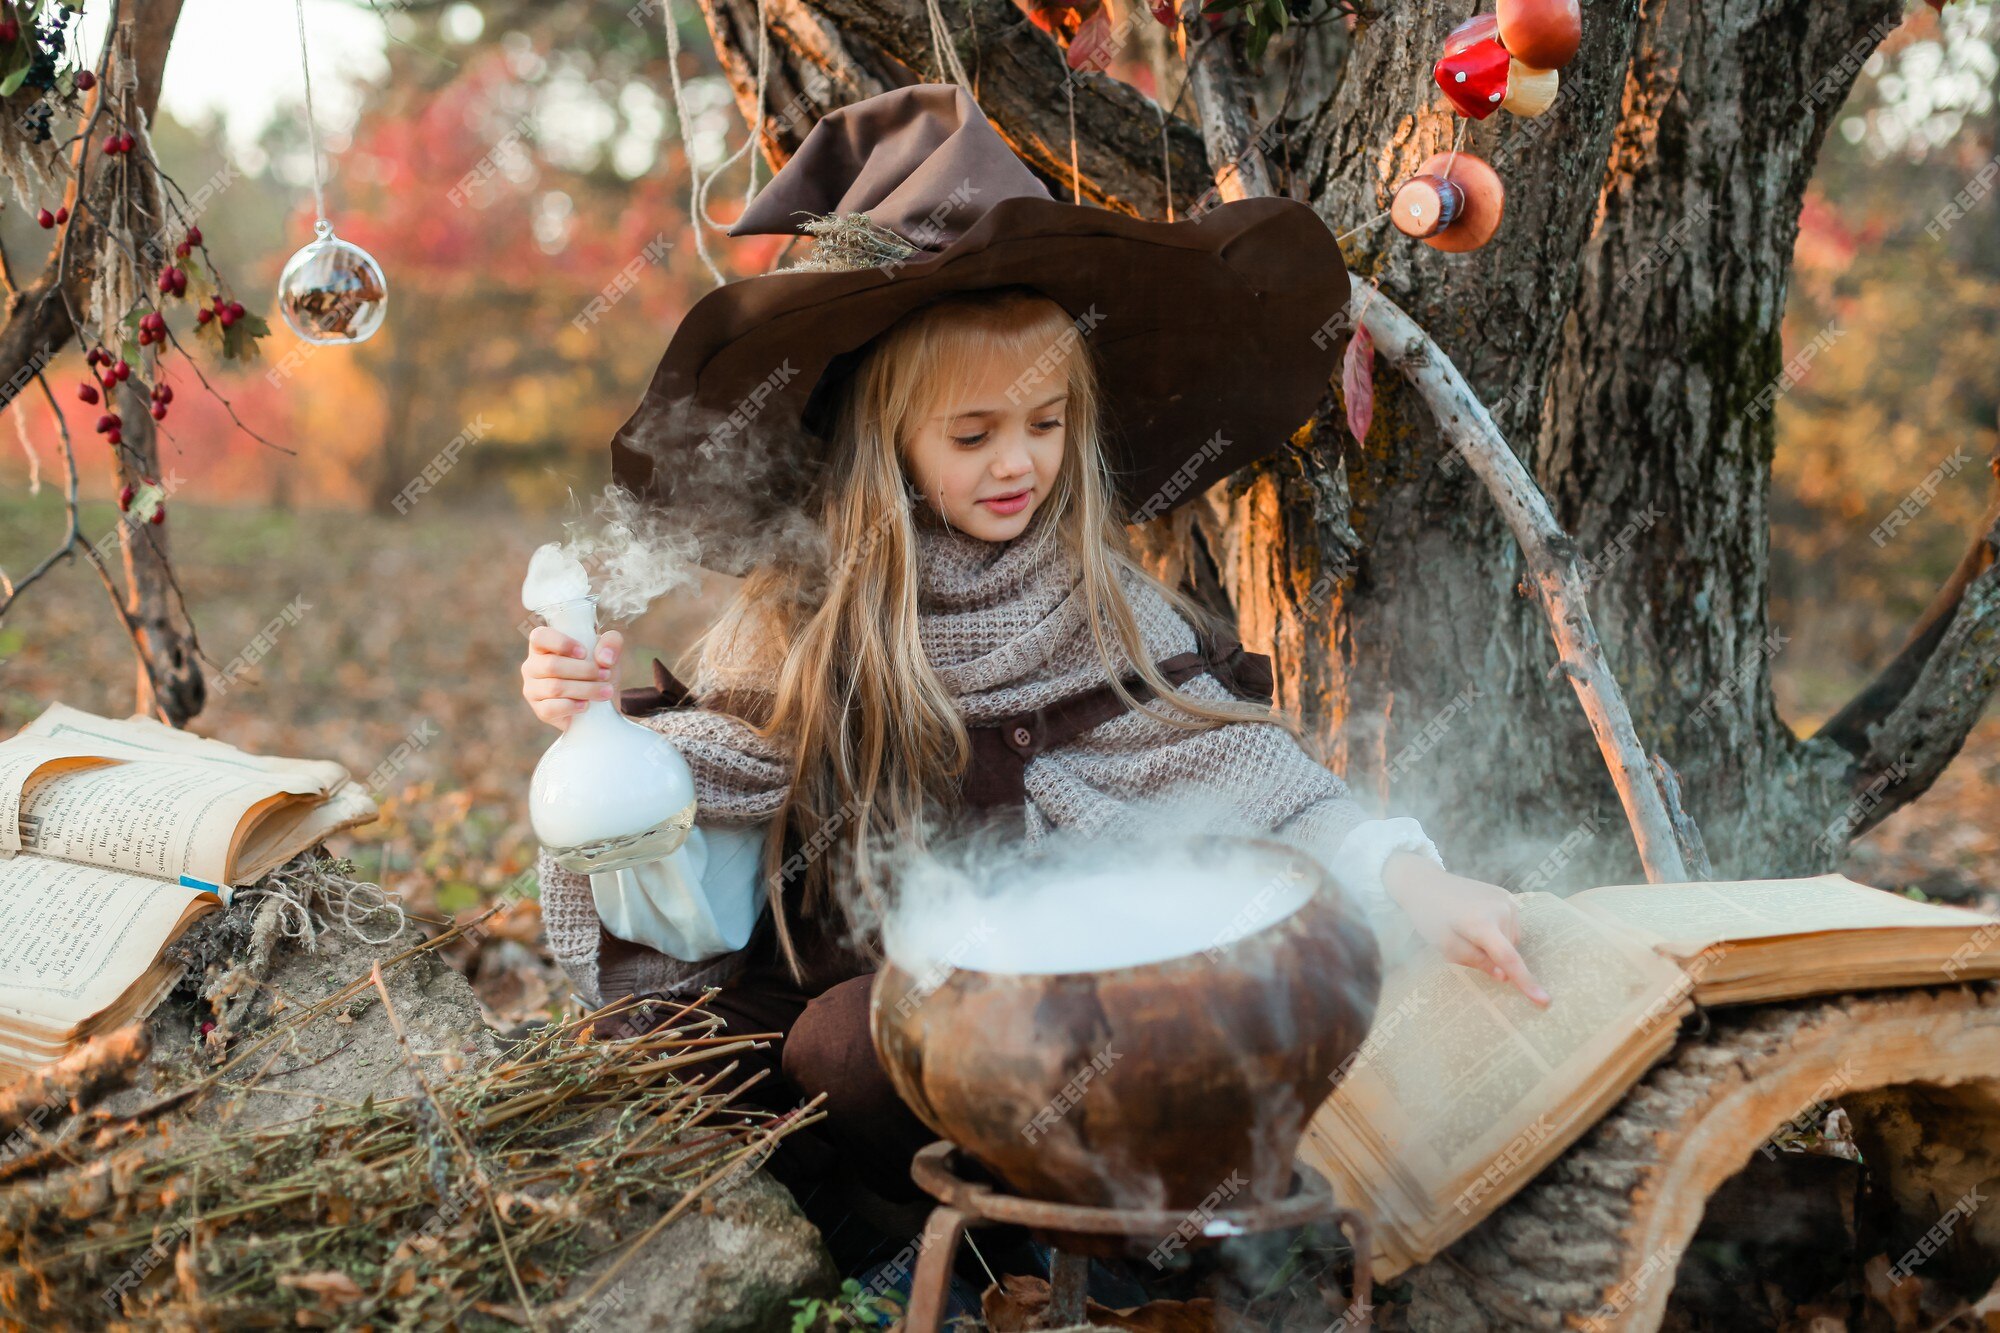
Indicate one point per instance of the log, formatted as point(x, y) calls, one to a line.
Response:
point(1594, 1243)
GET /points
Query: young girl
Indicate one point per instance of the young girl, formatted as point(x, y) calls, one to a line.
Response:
point(983, 639)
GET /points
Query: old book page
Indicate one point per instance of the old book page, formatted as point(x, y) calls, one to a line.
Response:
point(24, 758)
point(141, 737)
point(1689, 916)
point(149, 817)
point(74, 938)
point(1465, 1089)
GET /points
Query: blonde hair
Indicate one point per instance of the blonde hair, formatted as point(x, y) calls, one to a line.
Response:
point(877, 742)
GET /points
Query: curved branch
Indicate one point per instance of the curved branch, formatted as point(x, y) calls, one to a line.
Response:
point(1551, 557)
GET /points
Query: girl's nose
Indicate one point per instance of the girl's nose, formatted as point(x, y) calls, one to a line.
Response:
point(1012, 461)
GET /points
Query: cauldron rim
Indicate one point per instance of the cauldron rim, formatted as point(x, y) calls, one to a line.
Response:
point(1324, 888)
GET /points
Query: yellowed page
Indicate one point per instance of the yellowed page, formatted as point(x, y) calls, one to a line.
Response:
point(22, 760)
point(147, 816)
point(1688, 917)
point(141, 737)
point(1465, 1088)
point(73, 938)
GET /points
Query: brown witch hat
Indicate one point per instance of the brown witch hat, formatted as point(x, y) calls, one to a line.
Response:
point(1213, 336)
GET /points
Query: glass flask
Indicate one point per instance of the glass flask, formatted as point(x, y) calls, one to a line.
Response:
point(611, 793)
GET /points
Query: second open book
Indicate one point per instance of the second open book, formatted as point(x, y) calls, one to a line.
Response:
point(1464, 1090)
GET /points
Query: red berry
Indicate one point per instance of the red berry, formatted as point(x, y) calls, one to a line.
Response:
point(227, 318)
point(46, 218)
point(9, 30)
point(87, 392)
point(106, 421)
point(194, 235)
point(92, 356)
point(62, 214)
point(85, 80)
point(125, 142)
point(121, 370)
point(180, 283)
point(111, 145)
point(125, 494)
point(183, 250)
point(159, 411)
point(164, 392)
point(236, 309)
point(160, 516)
point(114, 436)
point(203, 315)
point(145, 337)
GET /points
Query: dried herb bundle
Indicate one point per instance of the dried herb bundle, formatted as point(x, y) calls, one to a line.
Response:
point(474, 1201)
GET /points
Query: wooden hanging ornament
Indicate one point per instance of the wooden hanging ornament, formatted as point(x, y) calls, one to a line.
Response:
point(1481, 70)
point(1453, 203)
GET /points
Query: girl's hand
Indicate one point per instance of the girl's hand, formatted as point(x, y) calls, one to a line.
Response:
point(559, 682)
point(1470, 923)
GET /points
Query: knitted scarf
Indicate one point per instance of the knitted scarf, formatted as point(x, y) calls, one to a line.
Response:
point(1004, 626)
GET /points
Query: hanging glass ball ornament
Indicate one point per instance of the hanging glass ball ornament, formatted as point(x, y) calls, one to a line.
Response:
point(333, 291)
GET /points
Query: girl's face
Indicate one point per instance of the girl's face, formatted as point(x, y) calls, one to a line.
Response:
point(987, 458)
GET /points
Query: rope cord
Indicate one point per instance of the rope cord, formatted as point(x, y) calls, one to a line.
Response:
point(320, 225)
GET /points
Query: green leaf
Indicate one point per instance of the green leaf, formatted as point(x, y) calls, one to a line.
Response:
point(12, 83)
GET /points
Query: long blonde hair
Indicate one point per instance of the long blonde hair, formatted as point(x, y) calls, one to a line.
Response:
point(877, 741)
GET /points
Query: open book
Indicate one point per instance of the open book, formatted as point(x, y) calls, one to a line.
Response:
point(1465, 1090)
point(115, 836)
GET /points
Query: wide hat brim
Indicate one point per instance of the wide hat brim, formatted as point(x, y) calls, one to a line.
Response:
point(1215, 338)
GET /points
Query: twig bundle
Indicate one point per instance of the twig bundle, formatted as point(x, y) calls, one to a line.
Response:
point(470, 1202)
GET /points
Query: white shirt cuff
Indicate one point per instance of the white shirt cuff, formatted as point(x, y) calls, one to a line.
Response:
point(1357, 864)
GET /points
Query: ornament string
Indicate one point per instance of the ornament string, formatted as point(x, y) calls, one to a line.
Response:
point(698, 185)
point(943, 49)
point(321, 226)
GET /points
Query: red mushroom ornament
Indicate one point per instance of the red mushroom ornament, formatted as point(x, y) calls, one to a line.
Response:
point(1541, 34)
point(1453, 203)
point(1473, 70)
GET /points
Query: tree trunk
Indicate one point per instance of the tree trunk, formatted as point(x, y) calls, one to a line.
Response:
point(1597, 1241)
point(1623, 327)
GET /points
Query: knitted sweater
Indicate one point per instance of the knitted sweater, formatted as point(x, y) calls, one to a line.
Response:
point(1005, 628)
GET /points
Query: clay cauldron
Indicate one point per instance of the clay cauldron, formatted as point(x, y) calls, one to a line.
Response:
point(1159, 1085)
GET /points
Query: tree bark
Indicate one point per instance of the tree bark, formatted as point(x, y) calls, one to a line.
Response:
point(1623, 329)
